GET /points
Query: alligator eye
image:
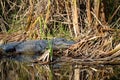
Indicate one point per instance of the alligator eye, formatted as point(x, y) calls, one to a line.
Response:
point(63, 39)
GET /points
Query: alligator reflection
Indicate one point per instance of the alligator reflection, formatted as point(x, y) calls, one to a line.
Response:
point(14, 70)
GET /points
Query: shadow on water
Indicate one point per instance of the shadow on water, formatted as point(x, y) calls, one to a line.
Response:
point(14, 70)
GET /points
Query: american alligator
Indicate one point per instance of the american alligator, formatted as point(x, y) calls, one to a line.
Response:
point(36, 45)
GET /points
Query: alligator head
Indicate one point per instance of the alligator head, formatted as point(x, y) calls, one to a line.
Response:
point(61, 43)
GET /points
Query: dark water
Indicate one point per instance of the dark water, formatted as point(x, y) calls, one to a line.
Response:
point(14, 70)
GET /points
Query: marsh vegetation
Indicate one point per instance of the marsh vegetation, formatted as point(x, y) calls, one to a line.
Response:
point(93, 24)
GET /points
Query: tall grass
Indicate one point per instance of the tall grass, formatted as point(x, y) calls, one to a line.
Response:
point(37, 18)
point(44, 19)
